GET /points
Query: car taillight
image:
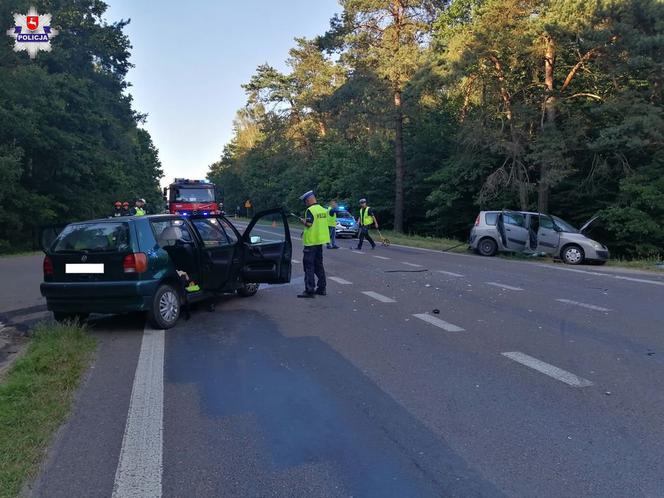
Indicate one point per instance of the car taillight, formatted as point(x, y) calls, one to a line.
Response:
point(48, 266)
point(135, 263)
point(477, 220)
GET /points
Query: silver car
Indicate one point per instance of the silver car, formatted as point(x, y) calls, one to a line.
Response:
point(523, 231)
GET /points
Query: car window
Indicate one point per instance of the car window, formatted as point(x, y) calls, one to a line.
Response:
point(93, 237)
point(344, 214)
point(226, 227)
point(564, 226)
point(491, 218)
point(515, 219)
point(546, 222)
point(158, 228)
point(212, 232)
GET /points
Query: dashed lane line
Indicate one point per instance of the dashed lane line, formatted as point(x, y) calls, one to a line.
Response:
point(583, 305)
point(411, 264)
point(504, 286)
point(139, 470)
point(382, 257)
point(451, 274)
point(340, 280)
point(547, 369)
point(378, 297)
point(442, 324)
point(295, 261)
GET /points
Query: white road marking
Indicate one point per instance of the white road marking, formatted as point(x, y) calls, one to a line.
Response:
point(295, 261)
point(411, 264)
point(451, 274)
point(357, 251)
point(381, 257)
point(547, 369)
point(340, 281)
point(583, 305)
point(140, 465)
point(599, 274)
point(641, 280)
point(503, 286)
point(378, 297)
point(438, 322)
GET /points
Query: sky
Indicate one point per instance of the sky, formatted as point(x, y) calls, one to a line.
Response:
point(191, 59)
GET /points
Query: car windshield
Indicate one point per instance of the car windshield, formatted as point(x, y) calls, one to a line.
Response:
point(93, 237)
point(344, 214)
point(564, 226)
point(194, 195)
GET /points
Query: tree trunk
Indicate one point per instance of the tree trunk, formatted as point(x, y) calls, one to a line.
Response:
point(399, 164)
point(549, 122)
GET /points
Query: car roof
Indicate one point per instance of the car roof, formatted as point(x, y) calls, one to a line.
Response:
point(516, 211)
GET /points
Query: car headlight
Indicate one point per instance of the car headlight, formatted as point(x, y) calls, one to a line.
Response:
point(596, 245)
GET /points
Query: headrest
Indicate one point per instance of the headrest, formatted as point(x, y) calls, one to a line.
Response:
point(169, 236)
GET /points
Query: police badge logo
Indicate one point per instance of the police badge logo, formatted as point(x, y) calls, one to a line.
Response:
point(32, 32)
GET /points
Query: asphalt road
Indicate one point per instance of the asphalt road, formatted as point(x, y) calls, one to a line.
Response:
point(419, 374)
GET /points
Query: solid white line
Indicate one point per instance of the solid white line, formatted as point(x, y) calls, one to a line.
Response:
point(378, 297)
point(503, 286)
point(381, 257)
point(438, 322)
point(411, 264)
point(140, 465)
point(583, 305)
point(451, 274)
point(295, 261)
point(641, 280)
point(547, 369)
point(576, 271)
point(340, 281)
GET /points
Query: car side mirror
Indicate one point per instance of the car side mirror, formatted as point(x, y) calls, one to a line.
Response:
point(255, 239)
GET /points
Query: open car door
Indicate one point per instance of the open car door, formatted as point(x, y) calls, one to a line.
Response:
point(513, 232)
point(548, 238)
point(267, 249)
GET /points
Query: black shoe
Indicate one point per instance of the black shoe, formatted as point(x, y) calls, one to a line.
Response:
point(334, 247)
point(373, 247)
point(329, 247)
point(321, 292)
point(306, 295)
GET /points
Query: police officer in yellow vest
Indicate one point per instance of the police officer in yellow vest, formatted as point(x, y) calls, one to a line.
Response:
point(332, 212)
point(366, 220)
point(139, 208)
point(316, 233)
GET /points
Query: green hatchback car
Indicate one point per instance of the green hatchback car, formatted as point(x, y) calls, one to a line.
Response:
point(160, 263)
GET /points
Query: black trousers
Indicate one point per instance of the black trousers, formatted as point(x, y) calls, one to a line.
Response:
point(312, 260)
point(364, 234)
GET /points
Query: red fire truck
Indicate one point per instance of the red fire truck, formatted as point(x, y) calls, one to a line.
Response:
point(189, 197)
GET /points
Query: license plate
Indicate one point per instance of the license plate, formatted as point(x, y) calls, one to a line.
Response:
point(84, 268)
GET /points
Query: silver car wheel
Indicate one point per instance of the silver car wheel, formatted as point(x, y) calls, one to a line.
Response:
point(573, 255)
point(168, 306)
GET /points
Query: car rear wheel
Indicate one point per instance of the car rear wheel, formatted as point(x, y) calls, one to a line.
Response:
point(165, 309)
point(487, 247)
point(248, 290)
point(573, 255)
point(70, 317)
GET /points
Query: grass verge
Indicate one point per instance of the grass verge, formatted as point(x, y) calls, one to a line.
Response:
point(35, 398)
point(437, 243)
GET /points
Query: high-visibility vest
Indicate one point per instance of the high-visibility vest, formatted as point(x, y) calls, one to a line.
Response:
point(365, 218)
point(317, 233)
point(331, 218)
point(139, 211)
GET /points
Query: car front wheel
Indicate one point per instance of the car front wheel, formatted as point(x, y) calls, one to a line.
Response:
point(487, 247)
point(247, 290)
point(573, 255)
point(165, 309)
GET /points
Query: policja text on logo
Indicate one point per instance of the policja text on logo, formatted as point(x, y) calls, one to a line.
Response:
point(32, 32)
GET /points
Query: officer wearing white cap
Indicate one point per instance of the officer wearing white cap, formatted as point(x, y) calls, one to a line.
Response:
point(315, 234)
point(366, 220)
point(139, 208)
